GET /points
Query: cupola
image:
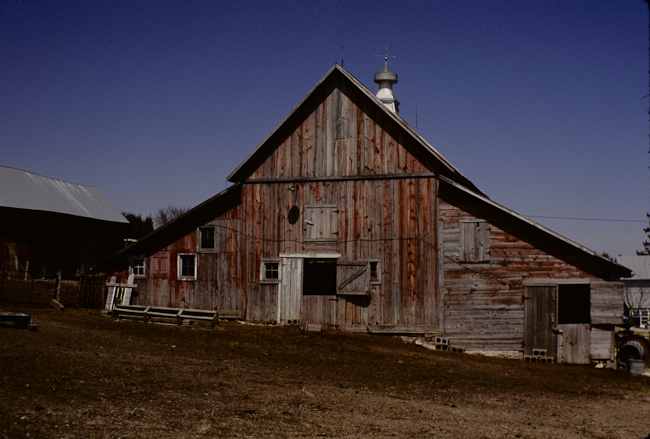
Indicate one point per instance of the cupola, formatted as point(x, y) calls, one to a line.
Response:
point(386, 79)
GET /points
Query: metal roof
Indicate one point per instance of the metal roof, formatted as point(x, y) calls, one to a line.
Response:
point(640, 265)
point(25, 190)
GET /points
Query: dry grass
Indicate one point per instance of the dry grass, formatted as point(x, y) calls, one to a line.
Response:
point(83, 375)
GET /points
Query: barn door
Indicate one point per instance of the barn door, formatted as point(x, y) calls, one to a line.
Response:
point(574, 323)
point(540, 319)
point(290, 291)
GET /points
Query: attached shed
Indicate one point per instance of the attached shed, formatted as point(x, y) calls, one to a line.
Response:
point(49, 225)
point(345, 218)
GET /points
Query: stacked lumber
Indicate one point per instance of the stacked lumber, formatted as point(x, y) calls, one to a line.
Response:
point(180, 316)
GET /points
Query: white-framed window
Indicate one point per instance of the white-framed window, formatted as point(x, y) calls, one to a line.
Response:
point(187, 266)
point(374, 267)
point(270, 271)
point(474, 241)
point(138, 266)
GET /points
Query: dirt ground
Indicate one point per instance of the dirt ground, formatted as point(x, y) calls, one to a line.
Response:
point(82, 375)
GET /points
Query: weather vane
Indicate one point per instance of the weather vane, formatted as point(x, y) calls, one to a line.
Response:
point(386, 56)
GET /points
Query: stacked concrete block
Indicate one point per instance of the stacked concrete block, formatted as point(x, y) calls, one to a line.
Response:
point(442, 344)
point(539, 356)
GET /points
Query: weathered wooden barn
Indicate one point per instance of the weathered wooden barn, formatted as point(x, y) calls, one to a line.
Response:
point(49, 225)
point(345, 218)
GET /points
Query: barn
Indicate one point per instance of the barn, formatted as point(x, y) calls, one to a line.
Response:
point(49, 225)
point(345, 218)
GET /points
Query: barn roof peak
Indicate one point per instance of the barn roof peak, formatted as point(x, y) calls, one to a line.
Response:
point(386, 79)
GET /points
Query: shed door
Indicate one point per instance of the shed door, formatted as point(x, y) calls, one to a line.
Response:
point(290, 291)
point(540, 319)
point(161, 269)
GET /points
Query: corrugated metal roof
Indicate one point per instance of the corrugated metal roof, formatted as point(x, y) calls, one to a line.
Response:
point(25, 190)
point(640, 265)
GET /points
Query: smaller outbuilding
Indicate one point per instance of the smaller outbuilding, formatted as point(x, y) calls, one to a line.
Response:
point(637, 288)
point(49, 225)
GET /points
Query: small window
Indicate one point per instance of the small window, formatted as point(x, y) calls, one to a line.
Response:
point(474, 241)
point(206, 238)
point(375, 272)
point(270, 271)
point(187, 267)
point(138, 266)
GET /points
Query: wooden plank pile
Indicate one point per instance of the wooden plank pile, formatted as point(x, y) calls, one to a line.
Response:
point(179, 316)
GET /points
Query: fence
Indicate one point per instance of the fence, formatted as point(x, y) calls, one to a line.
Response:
point(18, 289)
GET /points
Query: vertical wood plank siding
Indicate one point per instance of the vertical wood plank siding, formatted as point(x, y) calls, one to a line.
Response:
point(390, 216)
point(392, 220)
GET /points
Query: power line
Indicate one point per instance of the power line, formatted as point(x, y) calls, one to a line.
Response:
point(485, 274)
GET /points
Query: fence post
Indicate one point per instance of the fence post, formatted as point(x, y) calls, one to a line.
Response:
point(58, 286)
point(82, 278)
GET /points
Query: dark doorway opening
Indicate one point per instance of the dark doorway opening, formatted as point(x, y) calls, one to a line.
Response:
point(319, 277)
point(574, 303)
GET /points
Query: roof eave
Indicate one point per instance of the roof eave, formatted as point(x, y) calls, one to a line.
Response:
point(175, 229)
point(606, 267)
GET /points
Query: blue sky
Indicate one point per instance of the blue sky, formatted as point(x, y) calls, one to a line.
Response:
point(542, 104)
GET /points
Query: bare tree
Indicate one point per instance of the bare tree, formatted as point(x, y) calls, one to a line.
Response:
point(646, 243)
point(164, 216)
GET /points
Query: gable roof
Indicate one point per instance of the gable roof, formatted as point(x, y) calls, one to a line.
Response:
point(338, 77)
point(452, 181)
point(29, 191)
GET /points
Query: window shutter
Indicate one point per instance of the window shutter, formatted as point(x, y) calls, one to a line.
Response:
point(353, 278)
point(474, 241)
point(607, 303)
point(482, 241)
point(321, 223)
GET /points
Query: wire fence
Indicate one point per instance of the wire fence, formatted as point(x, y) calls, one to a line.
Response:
point(18, 288)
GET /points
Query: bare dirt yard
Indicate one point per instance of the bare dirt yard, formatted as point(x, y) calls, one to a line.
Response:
point(82, 375)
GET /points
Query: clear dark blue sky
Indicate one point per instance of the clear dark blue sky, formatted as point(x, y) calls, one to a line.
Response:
point(542, 104)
